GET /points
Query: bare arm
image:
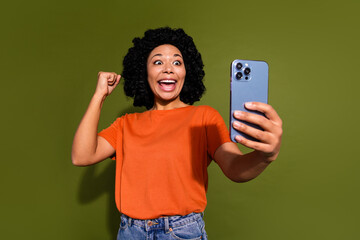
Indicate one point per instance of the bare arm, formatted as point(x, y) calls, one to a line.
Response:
point(243, 167)
point(88, 148)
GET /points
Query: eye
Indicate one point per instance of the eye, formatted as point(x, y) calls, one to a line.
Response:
point(177, 62)
point(157, 62)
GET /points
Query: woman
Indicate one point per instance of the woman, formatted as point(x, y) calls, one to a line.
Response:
point(162, 154)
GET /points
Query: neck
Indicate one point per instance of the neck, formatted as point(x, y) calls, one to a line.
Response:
point(168, 105)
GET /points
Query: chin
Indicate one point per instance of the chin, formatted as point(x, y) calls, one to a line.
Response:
point(168, 97)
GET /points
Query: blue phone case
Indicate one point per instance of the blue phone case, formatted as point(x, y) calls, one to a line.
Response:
point(249, 83)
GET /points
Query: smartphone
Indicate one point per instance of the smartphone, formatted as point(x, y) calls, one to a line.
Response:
point(248, 83)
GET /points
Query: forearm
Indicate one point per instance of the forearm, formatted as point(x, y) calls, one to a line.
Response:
point(240, 167)
point(85, 139)
point(245, 167)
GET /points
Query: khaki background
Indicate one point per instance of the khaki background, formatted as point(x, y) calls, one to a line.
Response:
point(51, 52)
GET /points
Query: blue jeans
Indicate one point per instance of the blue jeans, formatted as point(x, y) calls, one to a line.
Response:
point(191, 226)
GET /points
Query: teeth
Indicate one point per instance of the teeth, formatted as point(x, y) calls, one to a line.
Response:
point(167, 81)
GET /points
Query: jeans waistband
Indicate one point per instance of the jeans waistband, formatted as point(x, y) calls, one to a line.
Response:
point(166, 222)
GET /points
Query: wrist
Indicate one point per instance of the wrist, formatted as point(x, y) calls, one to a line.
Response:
point(99, 95)
point(267, 157)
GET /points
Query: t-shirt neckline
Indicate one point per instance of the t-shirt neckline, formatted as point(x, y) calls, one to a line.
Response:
point(170, 110)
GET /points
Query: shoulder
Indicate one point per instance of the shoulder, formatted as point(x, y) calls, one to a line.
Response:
point(207, 110)
point(134, 117)
point(127, 116)
point(209, 114)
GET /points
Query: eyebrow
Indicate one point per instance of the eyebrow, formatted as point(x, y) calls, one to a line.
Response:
point(159, 54)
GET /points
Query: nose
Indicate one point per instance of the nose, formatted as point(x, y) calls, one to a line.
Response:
point(168, 68)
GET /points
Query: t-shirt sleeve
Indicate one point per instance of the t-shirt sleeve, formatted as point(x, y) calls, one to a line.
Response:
point(111, 134)
point(216, 131)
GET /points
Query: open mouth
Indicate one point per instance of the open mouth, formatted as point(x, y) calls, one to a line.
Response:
point(167, 84)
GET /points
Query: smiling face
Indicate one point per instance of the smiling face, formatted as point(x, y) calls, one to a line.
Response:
point(166, 75)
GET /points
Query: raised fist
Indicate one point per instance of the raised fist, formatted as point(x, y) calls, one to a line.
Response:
point(107, 82)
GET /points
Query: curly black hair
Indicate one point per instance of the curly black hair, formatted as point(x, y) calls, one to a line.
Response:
point(135, 66)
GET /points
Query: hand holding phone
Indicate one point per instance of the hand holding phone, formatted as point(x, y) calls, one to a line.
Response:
point(249, 84)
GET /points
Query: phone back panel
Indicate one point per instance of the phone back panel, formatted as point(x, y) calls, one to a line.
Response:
point(247, 87)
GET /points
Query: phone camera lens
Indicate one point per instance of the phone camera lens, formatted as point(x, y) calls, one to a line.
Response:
point(247, 71)
point(239, 66)
point(238, 75)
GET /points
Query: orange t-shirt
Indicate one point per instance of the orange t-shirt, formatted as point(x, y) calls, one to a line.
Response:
point(162, 158)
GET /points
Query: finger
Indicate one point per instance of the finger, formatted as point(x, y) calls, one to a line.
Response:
point(112, 79)
point(257, 119)
point(263, 147)
point(267, 109)
point(253, 132)
point(118, 77)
